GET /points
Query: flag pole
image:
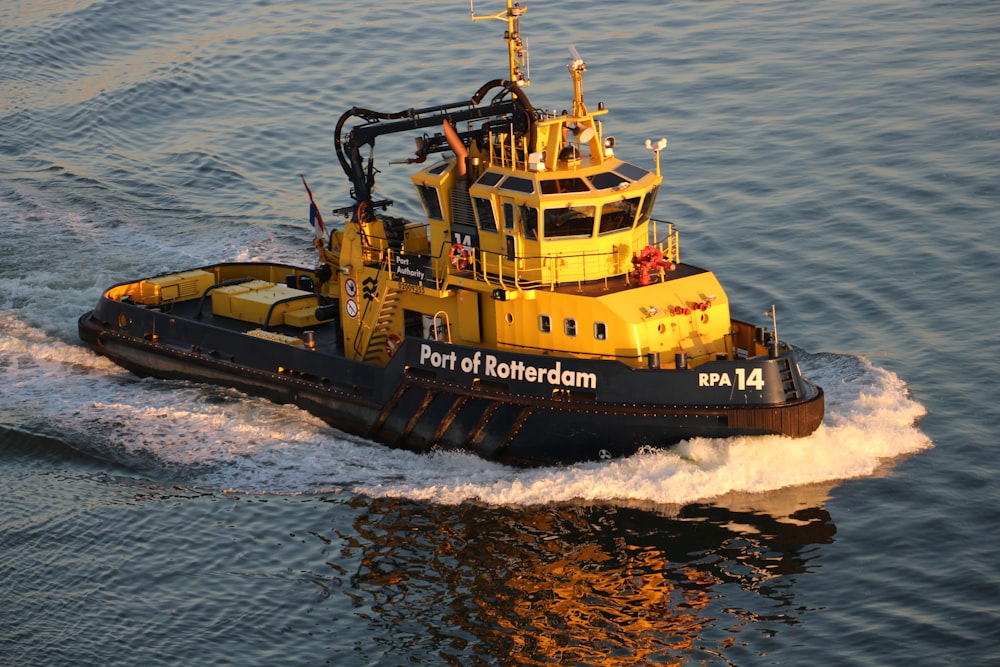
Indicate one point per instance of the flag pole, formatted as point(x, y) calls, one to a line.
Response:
point(315, 218)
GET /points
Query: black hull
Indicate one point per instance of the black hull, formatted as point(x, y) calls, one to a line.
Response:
point(517, 409)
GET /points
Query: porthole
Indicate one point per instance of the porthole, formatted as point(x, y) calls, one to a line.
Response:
point(544, 323)
point(569, 326)
point(600, 331)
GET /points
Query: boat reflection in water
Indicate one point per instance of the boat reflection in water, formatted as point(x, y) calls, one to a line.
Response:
point(586, 584)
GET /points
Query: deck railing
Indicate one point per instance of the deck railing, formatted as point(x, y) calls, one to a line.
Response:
point(517, 272)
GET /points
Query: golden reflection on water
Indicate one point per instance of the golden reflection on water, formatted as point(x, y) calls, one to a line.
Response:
point(584, 608)
point(582, 585)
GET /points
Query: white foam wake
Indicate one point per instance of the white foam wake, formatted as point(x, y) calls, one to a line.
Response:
point(220, 439)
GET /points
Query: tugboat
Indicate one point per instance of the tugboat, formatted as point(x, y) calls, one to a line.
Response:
point(540, 315)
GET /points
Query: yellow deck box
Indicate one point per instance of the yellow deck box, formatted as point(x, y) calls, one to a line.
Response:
point(182, 286)
point(302, 317)
point(221, 298)
point(251, 302)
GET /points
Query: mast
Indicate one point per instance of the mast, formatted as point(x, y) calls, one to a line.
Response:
point(576, 68)
point(517, 52)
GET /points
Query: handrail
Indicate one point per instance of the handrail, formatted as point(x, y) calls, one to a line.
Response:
point(275, 304)
point(497, 268)
point(224, 283)
point(447, 324)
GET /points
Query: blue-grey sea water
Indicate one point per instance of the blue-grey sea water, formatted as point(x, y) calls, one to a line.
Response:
point(838, 158)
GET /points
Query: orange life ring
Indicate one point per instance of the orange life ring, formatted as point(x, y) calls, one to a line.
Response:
point(459, 257)
point(392, 342)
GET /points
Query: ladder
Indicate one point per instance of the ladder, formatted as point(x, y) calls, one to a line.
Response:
point(380, 320)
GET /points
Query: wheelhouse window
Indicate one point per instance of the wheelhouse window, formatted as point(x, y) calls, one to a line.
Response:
point(608, 180)
point(647, 204)
point(489, 178)
point(569, 221)
point(619, 215)
point(432, 205)
point(600, 331)
point(545, 324)
point(631, 172)
point(518, 184)
point(529, 221)
point(508, 216)
point(484, 211)
point(569, 326)
point(555, 186)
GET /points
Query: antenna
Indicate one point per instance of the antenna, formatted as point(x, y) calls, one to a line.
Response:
point(774, 321)
point(576, 69)
point(656, 148)
point(520, 72)
point(575, 55)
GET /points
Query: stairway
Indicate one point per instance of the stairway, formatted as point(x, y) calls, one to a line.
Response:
point(381, 323)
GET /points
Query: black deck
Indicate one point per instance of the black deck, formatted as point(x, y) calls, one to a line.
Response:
point(326, 334)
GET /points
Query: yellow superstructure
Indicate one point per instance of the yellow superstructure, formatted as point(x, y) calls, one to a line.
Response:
point(538, 239)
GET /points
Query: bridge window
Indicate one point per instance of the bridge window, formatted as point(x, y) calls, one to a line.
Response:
point(569, 221)
point(557, 186)
point(618, 215)
point(647, 204)
point(518, 184)
point(490, 178)
point(529, 221)
point(569, 326)
point(545, 324)
point(631, 172)
point(608, 180)
point(484, 211)
point(432, 205)
point(508, 215)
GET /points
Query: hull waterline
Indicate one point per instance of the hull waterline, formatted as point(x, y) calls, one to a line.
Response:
point(420, 406)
